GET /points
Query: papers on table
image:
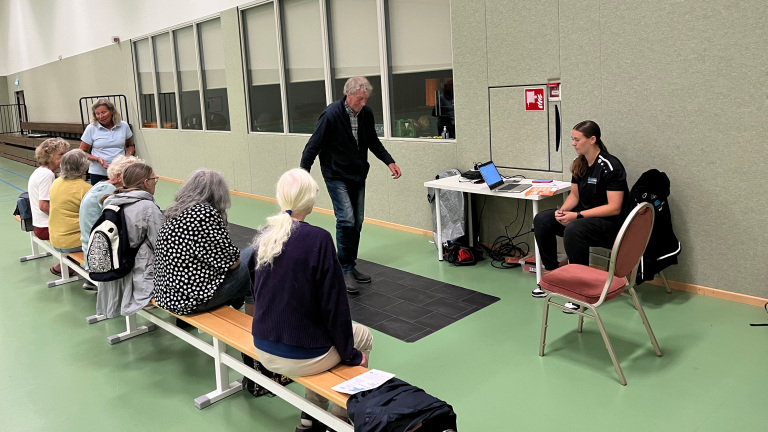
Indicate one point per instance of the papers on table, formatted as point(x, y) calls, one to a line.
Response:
point(561, 184)
point(367, 381)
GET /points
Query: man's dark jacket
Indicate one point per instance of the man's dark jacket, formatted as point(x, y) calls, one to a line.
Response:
point(341, 157)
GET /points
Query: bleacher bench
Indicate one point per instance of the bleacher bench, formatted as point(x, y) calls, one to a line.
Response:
point(230, 327)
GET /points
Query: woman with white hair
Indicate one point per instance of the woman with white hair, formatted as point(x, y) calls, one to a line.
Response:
point(302, 324)
point(67, 192)
point(197, 266)
point(106, 138)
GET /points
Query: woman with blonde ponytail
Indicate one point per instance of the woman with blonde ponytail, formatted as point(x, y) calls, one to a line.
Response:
point(302, 324)
point(593, 212)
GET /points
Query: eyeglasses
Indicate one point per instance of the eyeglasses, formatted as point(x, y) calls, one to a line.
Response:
point(154, 178)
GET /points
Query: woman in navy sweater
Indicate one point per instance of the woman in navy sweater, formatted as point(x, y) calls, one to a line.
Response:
point(302, 324)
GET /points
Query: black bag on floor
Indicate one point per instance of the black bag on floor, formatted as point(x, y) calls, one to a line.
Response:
point(255, 389)
point(460, 255)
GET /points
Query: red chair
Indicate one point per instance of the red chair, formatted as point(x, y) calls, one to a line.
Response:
point(589, 287)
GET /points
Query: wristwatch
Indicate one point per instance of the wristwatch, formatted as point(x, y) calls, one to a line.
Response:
point(579, 215)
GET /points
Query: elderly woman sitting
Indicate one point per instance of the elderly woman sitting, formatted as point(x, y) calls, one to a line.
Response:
point(198, 268)
point(48, 155)
point(66, 194)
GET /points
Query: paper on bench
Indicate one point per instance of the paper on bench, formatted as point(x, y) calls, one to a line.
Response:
point(367, 381)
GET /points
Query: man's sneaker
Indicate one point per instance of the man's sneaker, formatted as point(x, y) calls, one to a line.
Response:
point(351, 283)
point(89, 286)
point(309, 424)
point(571, 308)
point(360, 277)
point(538, 292)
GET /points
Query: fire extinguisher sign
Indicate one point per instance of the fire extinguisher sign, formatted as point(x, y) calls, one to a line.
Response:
point(534, 99)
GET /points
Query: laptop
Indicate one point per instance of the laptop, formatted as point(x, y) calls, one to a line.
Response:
point(496, 183)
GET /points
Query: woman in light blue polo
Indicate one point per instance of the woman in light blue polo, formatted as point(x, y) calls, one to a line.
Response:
point(106, 138)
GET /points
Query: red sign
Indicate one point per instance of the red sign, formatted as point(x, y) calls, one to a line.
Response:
point(534, 99)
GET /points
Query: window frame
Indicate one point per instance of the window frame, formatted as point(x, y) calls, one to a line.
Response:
point(200, 82)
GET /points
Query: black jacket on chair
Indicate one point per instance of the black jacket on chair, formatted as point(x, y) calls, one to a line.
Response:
point(663, 246)
point(397, 406)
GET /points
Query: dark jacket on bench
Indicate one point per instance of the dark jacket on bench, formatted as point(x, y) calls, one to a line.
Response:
point(301, 300)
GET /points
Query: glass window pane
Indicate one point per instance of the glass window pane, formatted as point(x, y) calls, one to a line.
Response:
point(189, 87)
point(263, 75)
point(146, 85)
point(304, 64)
point(355, 48)
point(214, 76)
point(422, 83)
point(166, 90)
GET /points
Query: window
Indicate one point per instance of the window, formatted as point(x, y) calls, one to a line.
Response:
point(166, 88)
point(214, 76)
point(189, 87)
point(304, 64)
point(146, 84)
point(355, 48)
point(421, 65)
point(265, 101)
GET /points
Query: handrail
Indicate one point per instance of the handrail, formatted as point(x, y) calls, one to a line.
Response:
point(11, 117)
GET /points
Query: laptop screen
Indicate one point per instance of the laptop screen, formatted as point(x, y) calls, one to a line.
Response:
point(490, 174)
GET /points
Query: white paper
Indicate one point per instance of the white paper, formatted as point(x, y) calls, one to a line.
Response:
point(561, 184)
point(367, 381)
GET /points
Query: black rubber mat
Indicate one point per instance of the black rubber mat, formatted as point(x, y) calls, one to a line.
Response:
point(401, 304)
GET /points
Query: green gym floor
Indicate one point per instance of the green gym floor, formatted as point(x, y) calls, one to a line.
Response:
point(59, 374)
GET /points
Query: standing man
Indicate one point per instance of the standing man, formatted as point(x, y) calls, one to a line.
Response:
point(344, 133)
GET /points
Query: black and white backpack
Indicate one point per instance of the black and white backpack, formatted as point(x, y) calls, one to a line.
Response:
point(110, 256)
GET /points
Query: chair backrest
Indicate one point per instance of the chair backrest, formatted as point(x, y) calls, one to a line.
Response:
point(631, 241)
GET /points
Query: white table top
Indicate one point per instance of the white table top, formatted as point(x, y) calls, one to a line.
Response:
point(457, 183)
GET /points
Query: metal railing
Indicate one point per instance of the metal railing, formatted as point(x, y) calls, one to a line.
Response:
point(121, 105)
point(11, 117)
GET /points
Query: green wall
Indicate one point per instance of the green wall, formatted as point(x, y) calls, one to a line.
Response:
point(4, 99)
point(673, 87)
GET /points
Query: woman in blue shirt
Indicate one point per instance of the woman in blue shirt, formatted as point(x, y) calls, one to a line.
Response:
point(106, 138)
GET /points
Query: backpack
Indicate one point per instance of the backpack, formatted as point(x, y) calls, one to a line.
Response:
point(110, 256)
point(460, 255)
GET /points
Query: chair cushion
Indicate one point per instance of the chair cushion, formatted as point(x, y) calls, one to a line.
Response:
point(582, 283)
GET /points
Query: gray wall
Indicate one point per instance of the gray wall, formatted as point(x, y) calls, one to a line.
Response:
point(673, 87)
point(4, 99)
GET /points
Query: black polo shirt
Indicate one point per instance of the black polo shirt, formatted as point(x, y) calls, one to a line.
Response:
point(606, 174)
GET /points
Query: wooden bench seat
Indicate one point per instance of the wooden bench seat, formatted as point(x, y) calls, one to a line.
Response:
point(229, 327)
point(21, 148)
point(67, 128)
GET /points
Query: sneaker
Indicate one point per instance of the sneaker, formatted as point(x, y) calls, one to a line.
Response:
point(89, 286)
point(538, 292)
point(309, 424)
point(351, 283)
point(572, 307)
point(360, 277)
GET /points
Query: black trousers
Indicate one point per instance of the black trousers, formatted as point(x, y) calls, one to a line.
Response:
point(577, 236)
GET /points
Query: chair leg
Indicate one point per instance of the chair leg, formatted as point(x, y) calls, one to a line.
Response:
point(609, 346)
point(544, 327)
point(647, 324)
point(580, 327)
point(666, 284)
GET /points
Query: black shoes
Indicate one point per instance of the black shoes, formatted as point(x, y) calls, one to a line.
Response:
point(360, 277)
point(309, 424)
point(351, 283)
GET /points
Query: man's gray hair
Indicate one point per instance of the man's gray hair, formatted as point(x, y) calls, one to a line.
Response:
point(74, 164)
point(203, 186)
point(356, 84)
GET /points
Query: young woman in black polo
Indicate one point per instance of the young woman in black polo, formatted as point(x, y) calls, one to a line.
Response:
point(595, 209)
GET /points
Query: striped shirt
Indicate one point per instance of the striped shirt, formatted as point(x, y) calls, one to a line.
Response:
point(352, 120)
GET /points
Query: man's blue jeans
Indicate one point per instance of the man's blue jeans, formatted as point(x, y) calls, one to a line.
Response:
point(349, 206)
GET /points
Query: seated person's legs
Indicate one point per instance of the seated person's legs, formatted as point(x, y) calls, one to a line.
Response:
point(234, 290)
point(546, 229)
point(581, 234)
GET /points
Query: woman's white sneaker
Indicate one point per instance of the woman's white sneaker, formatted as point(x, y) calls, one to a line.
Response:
point(538, 292)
